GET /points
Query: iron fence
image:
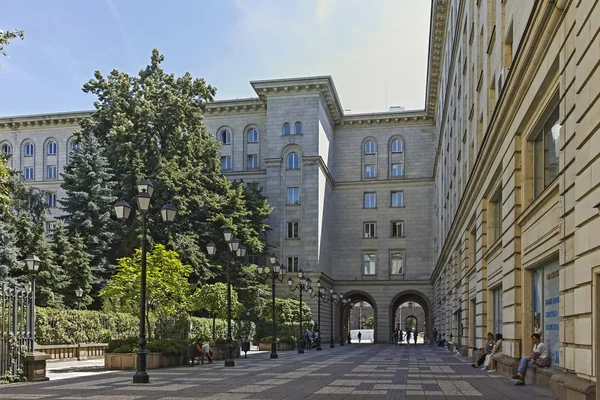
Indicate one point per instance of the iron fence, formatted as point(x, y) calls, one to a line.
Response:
point(16, 327)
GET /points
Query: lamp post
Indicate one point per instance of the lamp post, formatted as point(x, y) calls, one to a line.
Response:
point(344, 302)
point(318, 294)
point(277, 272)
point(234, 249)
point(303, 285)
point(333, 299)
point(33, 266)
point(123, 210)
point(79, 294)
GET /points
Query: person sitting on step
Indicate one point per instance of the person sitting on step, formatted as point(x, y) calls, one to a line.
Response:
point(539, 357)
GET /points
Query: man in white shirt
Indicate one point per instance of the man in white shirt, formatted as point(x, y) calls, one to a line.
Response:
point(539, 357)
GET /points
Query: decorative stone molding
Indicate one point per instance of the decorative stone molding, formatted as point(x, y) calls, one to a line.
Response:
point(247, 105)
point(30, 121)
point(437, 37)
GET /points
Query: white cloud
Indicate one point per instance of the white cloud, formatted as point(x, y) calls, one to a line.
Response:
point(324, 9)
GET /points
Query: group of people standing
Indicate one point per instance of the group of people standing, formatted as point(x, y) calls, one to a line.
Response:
point(400, 336)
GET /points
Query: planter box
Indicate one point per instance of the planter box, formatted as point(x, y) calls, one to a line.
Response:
point(266, 346)
point(153, 361)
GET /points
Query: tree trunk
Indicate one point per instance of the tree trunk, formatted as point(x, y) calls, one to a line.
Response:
point(214, 327)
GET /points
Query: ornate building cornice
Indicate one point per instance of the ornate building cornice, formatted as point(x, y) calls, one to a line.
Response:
point(250, 104)
point(385, 118)
point(318, 84)
point(437, 36)
point(43, 120)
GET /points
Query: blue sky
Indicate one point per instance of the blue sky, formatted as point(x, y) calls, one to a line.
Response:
point(370, 47)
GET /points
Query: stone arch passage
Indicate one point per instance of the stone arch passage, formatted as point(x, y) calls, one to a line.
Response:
point(344, 324)
point(416, 297)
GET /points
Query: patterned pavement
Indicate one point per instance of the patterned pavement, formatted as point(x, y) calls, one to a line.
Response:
point(366, 371)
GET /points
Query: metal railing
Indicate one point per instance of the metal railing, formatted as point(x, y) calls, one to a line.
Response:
point(15, 327)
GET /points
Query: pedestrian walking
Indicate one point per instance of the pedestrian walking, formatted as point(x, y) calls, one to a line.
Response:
point(359, 336)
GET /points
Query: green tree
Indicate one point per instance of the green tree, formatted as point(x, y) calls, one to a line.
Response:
point(7, 36)
point(5, 182)
point(287, 315)
point(213, 298)
point(89, 185)
point(168, 292)
point(369, 322)
point(9, 253)
point(77, 267)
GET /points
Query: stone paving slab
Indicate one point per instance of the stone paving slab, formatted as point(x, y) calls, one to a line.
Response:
point(366, 371)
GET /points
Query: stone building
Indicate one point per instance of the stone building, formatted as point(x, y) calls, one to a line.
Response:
point(476, 208)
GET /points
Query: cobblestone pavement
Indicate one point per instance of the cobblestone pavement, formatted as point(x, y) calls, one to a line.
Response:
point(355, 371)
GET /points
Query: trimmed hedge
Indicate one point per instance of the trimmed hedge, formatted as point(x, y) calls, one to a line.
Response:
point(54, 326)
point(202, 327)
point(169, 347)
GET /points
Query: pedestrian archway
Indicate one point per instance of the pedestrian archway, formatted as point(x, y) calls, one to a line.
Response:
point(411, 311)
point(359, 315)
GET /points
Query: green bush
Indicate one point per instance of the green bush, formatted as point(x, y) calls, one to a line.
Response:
point(54, 326)
point(169, 347)
point(122, 345)
point(202, 327)
point(170, 326)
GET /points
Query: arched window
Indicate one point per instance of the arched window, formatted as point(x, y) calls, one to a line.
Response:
point(397, 146)
point(286, 129)
point(29, 150)
point(6, 149)
point(293, 161)
point(226, 137)
point(298, 128)
point(52, 148)
point(253, 136)
point(74, 145)
point(370, 147)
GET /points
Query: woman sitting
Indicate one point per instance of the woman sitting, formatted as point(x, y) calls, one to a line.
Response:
point(486, 350)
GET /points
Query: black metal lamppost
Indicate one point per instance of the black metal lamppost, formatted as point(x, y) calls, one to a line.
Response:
point(333, 299)
point(277, 272)
point(122, 210)
point(33, 266)
point(302, 286)
point(79, 294)
point(234, 249)
point(319, 294)
point(344, 302)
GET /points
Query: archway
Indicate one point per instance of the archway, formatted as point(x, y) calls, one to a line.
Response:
point(359, 315)
point(407, 304)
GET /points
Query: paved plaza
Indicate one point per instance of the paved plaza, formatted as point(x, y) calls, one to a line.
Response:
point(366, 371)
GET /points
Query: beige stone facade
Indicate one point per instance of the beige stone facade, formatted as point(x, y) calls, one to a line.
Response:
point(517, 177)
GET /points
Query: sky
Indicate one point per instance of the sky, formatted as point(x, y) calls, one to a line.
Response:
point(375, 50)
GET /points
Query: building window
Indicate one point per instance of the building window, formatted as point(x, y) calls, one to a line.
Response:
point(369, 261)
point(397, 262)
point(397, 199)
point(6, 149)
point(28, 173)
point(52, 148)
point(253, 136)
point(546, 152)
point(369, 230)
point(370, 147)
point(50, 227)
point(252, 161)
point(370, 200)
point(226, 137)
point(29, 150)
point(546, 306)
point(287, 130)
point(293, 195)
point(292, 231)
point(398, 229)
point(397, 146)
point(370, 171)
point(293, 161)
point(298, 128)
point(292, 264)
point(497, 297)
point(51, 171)
point(51, 200)
point(496, 215)
point(225, 162)
point(397, 170)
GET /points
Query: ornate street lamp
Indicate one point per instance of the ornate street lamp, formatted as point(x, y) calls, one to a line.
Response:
point(33, 266)
point(122, 211)
point(276, 273)
point(235, 249)
point(344, 303)
point(302, 286)
point(79, 294)
point(319, 294)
